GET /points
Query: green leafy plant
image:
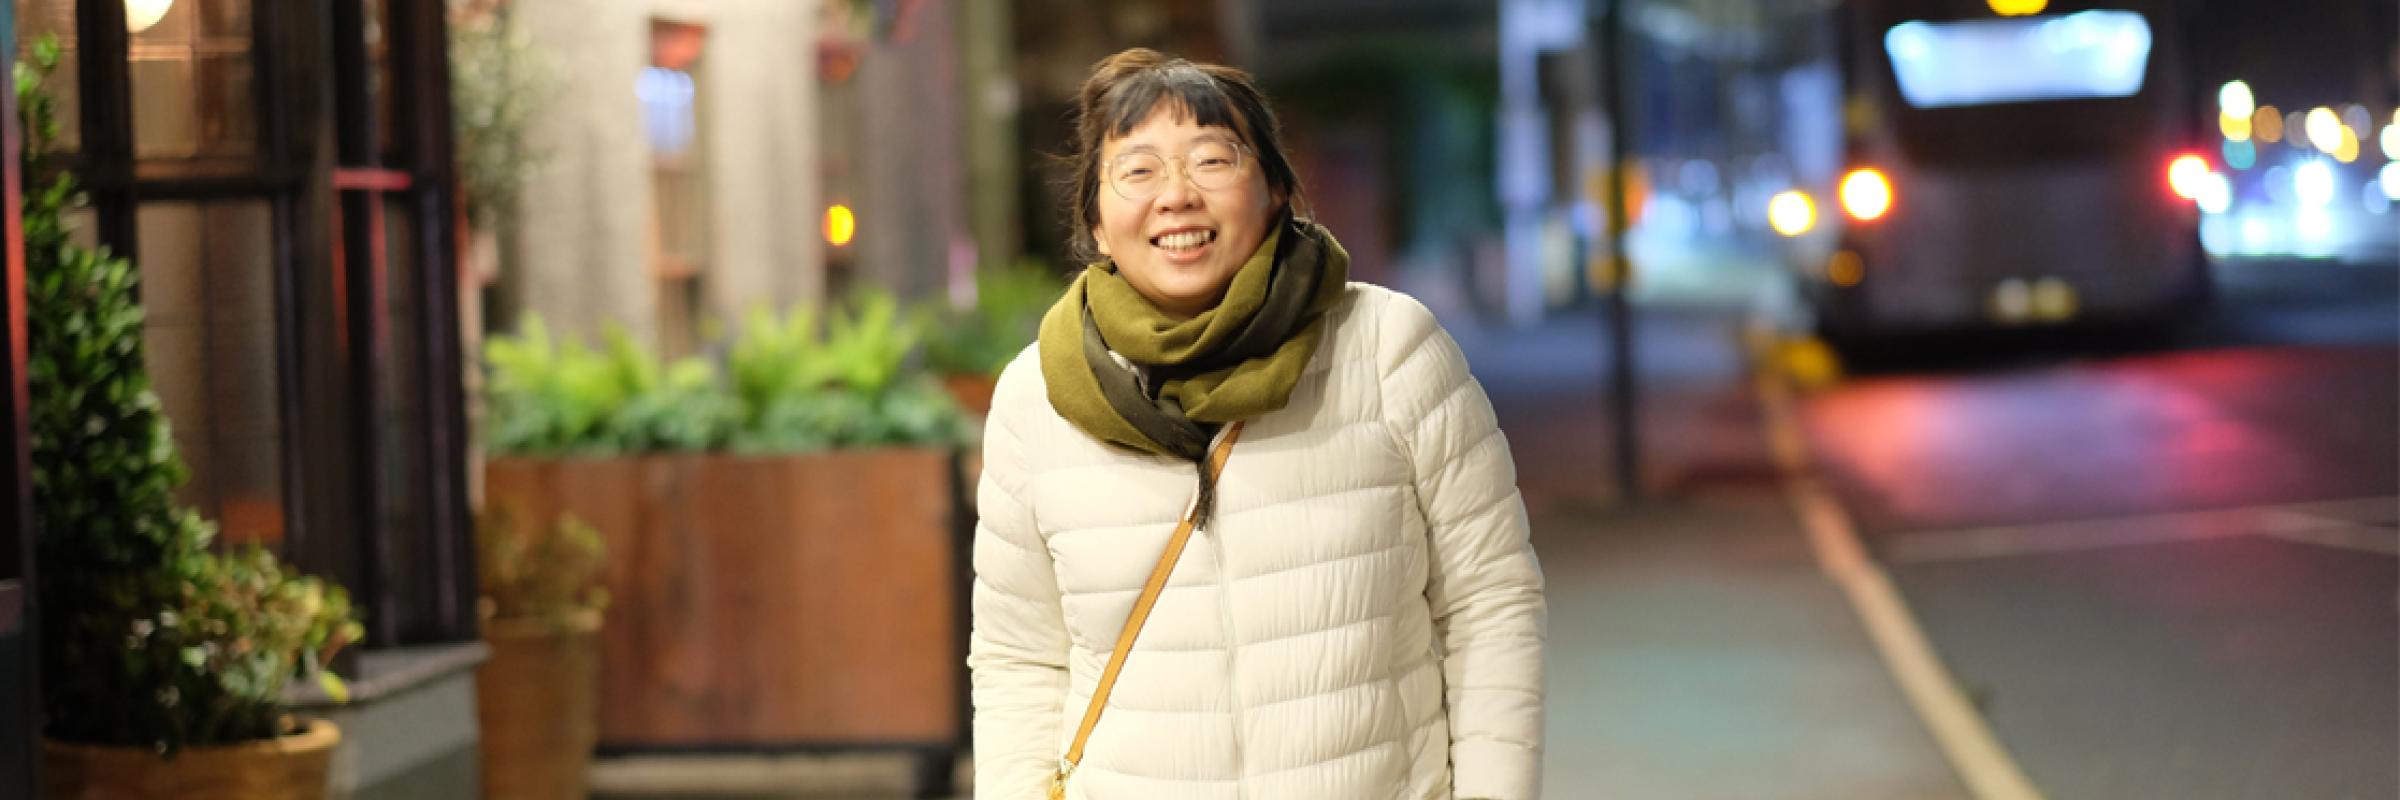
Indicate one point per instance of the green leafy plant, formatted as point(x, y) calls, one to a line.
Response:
point(548, 576)
point(565, 399)
point(499, 81)
point(787, 386)
point(1007, 314)
point(149, 638)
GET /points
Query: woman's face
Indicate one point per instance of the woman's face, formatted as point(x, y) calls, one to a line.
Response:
point(1181, 245)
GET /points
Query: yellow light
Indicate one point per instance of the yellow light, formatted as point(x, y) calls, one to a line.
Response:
point(1866, 194)
point(1792, 213)
point(2267, 124)
point(2018, 8)
point(2236, 128)
point(140, 15)
point(2235, 99)
point(2188, 174)
point(840, 225)
point(1846, 269)
point(2324, 129)
point(2347, 150)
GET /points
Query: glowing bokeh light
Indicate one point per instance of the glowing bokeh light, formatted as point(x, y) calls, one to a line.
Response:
point(2185, 175)
point(2324, 129)
point(840, 225)
point(2235, 99)
point(2241, 155)
point(2018, 8)
point(2312, 183)
point(1792, 213)
point(2267, 125)
point(1866, 194)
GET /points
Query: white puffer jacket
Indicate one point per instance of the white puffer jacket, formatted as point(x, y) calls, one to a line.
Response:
point(1365, 620)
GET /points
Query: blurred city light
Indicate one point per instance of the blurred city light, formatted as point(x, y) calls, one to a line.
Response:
point(1792, 213)
point(2295, 125)
point(2235, 100)
point(2053, 299)
point(2390, 179)
point(2278, 184)
point(1866, 194)
point(2374, 198)
point(2390, 139)
point(2316, 227)
point(1846, 269)
point(2347, 150)
point(2018, 8)
point(2186, 174)
point(2216, 236)
point(2312, 183)
point(2355, 116)
point(2267, 125)
point(2241, 155)
point(140, 15)
point(2236, 127)
point(2012, 300)
point(2216, 194)
point(2324, 129)
point(840, 225)
point(2255, 235)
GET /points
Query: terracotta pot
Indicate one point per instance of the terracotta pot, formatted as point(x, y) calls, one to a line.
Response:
point(289, 768)
point(973, 392)
point(537, 700)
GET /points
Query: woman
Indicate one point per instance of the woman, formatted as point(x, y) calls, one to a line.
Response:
point(1358, 614)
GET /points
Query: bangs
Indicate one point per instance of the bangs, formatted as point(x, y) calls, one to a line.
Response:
point(1189, 93)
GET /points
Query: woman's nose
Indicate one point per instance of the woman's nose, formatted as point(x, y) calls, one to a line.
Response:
point(1179, 192)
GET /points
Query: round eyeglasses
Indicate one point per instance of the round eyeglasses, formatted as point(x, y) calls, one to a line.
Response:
point(1139, 176)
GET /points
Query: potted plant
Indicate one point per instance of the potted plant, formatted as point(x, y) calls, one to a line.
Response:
point(781, 557)
point(968, 347)
point(164, 661)
point(537, 697)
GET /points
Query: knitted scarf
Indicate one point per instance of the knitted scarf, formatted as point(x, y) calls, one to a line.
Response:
point(1232, 362)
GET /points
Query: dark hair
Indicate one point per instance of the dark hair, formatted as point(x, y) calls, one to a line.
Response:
point(1128, 87)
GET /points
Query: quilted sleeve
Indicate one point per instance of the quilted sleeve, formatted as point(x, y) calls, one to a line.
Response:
point(1018, 651)
point(1484, 585)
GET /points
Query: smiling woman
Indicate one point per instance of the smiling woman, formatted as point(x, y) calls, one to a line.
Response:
point(1359, 615)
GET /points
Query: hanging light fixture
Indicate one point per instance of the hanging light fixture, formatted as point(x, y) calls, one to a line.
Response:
point(141, 14)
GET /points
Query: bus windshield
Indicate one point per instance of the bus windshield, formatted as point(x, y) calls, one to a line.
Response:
point(2088, 54)
point(2073, 86)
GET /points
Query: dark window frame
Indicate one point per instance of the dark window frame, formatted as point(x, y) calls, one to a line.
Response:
point(329, 180)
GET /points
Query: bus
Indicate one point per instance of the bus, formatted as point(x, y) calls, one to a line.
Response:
point(2003, 171)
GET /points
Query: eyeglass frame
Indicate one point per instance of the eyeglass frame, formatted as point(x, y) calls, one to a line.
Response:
point(1243, 158)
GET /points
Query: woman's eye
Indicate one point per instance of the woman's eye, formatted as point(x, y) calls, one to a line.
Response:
point(1135, 174)
point(1215, 163)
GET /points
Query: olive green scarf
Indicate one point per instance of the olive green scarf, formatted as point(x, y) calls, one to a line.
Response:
point(1232, 362)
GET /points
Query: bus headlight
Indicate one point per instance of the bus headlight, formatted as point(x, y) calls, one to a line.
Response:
point(1792, 213)
point(1866, 194)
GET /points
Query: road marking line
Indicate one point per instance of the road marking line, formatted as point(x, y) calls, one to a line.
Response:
point(2370, 510)
point(2303, 522)
point(1985, 766)
point(2380, 541)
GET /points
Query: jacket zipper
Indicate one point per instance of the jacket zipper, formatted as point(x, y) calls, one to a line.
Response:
point(1233, 639)
point(1233, 665)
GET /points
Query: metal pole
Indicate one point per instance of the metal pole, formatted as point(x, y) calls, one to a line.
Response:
point(1624, 398)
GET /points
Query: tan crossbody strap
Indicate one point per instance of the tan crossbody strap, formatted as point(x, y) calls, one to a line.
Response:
point(1133, 621)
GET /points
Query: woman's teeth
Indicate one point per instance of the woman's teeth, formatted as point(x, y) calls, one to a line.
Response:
point(1186, 240)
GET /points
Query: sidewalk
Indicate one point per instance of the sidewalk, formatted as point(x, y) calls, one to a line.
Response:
point(1696, 650)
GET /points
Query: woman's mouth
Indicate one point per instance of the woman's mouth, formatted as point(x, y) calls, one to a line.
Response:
point(1185, 245)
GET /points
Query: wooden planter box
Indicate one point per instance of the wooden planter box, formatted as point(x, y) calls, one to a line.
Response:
point(768, 602)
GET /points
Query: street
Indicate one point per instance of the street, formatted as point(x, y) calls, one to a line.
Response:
point(2160, 570)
